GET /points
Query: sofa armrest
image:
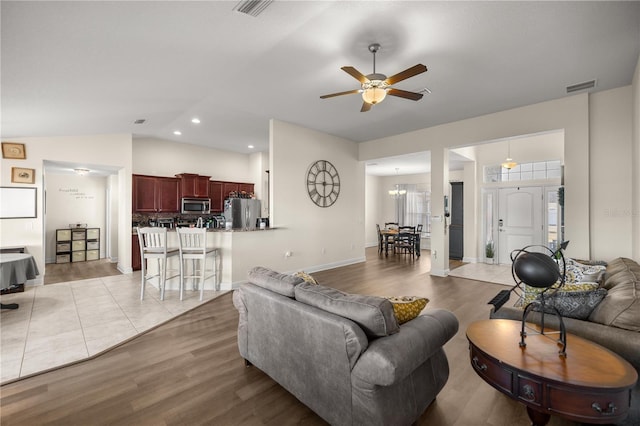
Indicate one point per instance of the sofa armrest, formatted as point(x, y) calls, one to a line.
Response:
point(390, 359)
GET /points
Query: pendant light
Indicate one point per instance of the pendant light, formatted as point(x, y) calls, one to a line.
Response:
point(508, 163)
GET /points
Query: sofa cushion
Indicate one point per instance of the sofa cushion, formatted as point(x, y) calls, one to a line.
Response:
point(620, 270)
point(373, 314)
point(407, 308)
point(271, 280)
point(574, 304)
point(621, 307)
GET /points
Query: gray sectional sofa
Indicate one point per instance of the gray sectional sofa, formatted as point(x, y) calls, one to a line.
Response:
point(614, 323)
point(344, 356)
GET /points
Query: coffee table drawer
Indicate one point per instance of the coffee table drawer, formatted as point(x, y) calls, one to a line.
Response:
point(588, 406)
point(492, 370)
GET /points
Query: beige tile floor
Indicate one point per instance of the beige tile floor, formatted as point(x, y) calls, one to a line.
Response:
point(61, 323)
point(499, 274)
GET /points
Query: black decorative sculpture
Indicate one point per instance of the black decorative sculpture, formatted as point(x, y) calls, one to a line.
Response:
point(540, 270)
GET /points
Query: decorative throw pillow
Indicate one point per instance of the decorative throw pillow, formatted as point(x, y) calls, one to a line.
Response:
point(373, 314)
point(531, 293)
point(578, 272)
point(574, 304)
point(407, 308)
point(306, 277)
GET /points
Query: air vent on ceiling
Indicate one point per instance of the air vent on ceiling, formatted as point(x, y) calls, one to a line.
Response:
point(581, 86)
point(252, 7)
point(140, 121)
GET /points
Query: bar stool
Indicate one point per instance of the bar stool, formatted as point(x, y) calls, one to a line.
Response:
point(153, 245)
point(193, 246)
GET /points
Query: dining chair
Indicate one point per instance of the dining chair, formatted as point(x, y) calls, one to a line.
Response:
point(418, 239)
point(193, 246)
point(405, 242)
point(153, 245)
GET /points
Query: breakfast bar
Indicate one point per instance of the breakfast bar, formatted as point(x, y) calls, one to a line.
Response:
point(236, 255)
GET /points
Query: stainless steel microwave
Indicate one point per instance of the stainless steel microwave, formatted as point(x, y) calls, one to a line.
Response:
point(196, 206)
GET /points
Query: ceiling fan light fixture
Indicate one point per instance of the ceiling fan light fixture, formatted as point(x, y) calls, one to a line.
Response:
point(374, 91)
point(374, 95)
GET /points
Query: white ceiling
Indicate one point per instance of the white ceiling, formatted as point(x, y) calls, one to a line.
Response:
point(94, 67)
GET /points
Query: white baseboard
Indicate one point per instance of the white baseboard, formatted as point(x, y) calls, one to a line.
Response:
point(440, 272)
point(470, 259)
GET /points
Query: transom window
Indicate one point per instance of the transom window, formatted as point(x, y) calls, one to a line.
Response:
point(539, 170)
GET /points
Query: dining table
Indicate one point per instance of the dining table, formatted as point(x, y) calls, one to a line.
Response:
point(16, 269)
point(393, 232)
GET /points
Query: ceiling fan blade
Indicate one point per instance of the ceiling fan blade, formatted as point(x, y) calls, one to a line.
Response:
point(365, 107)
point(405, 94)
point(355, 74)
point(409, 72)
point(348, 92)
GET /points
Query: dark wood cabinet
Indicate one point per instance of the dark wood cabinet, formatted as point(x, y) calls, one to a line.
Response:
point(153, 194)
point(168, 195)
point(144, 193)
point(228, 187)
point(245, 187)
point(192, 185)
point(136, 261)
point(217, 196)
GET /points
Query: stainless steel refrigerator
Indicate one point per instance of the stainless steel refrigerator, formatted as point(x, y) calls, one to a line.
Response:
point(242, 212)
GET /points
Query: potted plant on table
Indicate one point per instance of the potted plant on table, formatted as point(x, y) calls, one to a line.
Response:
point(489, 252)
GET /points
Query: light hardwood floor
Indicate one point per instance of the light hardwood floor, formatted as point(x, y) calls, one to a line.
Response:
point(189, 372)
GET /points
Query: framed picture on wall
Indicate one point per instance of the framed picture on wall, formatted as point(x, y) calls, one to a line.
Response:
point(13, 150)
point(21, 175)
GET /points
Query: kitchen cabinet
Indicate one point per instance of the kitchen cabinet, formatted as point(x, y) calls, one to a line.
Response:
point(228, 187)
point(194, 186)
point(245, 187)
point(153, 194)
point(217, 196)
point(136, 261)
point(219, 191)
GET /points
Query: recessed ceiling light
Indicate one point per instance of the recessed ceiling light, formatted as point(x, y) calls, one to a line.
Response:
point(177, 132)
point(195, 120)
point(250, 146)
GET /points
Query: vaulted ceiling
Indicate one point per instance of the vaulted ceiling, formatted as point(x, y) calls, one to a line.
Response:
point(95, 67)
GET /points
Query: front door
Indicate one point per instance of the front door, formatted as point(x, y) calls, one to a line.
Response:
point(519, 221)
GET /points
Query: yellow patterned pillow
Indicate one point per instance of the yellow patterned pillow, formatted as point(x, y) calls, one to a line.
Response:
point(407, 308)
point(308, 278)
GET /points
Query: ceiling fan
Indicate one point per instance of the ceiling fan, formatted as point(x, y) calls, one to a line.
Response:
point(375, 86)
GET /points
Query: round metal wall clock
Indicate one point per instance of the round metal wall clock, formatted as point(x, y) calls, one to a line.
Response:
point(323, 183)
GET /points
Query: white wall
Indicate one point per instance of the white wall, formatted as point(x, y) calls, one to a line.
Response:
point(74, 199)
point(611, 173)
point(318, 238)
point(375, 201)
point(108, 150)
point(570, 114)
point(157, 157)
point(635, 235)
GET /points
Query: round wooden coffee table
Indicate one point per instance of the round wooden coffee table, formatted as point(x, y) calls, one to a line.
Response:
point(591, 384)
